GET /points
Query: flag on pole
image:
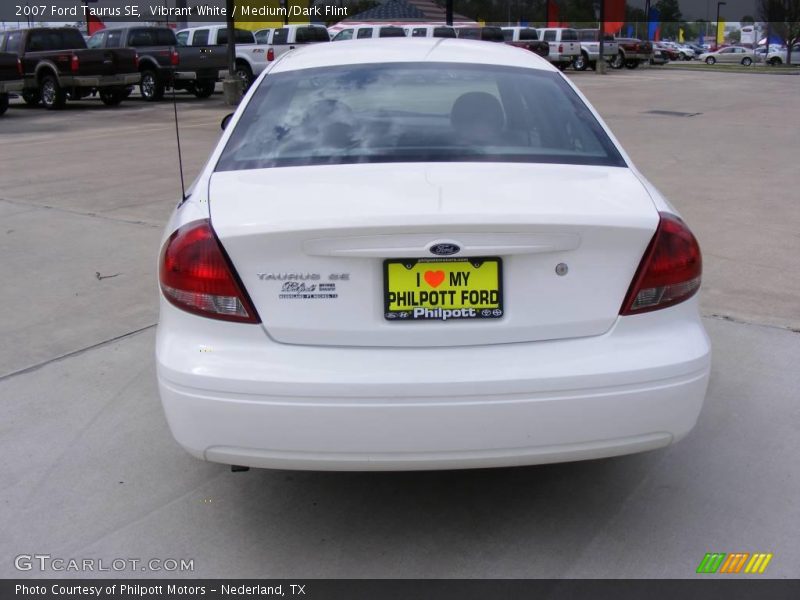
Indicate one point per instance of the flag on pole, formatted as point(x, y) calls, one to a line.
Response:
point(93, 24)
point(614, 15)
point(681, 37)
point(655, 23)
point(275, 18)
point(721, 32)
point(553, 18)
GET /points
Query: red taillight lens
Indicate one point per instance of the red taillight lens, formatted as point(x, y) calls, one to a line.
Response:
point(196, 275)
point(670, 269)
point(174, 57)
point(271, 54)
point(74, 63)
point(20, 70)
point(560, 48)
point(136, 60)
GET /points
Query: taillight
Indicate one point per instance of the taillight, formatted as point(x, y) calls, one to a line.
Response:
point(670, 269)
point(196, 276)
point(74, 63)
point(560, 48)
point(136, 61)
point(270, 54)
point(20, 70)
point(174, 57)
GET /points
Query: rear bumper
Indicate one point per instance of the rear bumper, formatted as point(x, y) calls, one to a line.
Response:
point(561, 58)
point(231, 395)
point(98, 81)
point(196, 75)
point(11, 86)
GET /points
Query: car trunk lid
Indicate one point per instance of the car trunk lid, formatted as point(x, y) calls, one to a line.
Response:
point(310, 243)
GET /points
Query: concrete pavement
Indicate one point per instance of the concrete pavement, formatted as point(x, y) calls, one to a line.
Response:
point(90, 469)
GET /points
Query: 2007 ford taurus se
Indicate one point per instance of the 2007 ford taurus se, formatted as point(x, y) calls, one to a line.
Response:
point(425, 254)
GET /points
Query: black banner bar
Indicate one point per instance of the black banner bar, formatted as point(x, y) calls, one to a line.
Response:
point(711, 588)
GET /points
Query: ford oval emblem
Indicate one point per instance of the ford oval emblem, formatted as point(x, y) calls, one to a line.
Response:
point(445, 249)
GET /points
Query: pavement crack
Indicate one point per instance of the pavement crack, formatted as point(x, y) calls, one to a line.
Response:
point(38, 366)
point(738, 321)
point(33, 206)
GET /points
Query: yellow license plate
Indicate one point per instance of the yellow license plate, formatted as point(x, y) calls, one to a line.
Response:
point(442, 289)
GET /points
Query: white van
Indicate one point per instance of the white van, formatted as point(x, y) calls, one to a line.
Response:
point(362, 32)
point(437, 31)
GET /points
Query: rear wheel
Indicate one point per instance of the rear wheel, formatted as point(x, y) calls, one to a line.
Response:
point(53, 97)
point(711, 60)
point(151, 86)
point(581, 62)
point(3, 103)
point(245, 73)
point(775, 61)
point(617, 61)
point(32, 97)
point(747, 61)
point(204, 88)
point(112, 97)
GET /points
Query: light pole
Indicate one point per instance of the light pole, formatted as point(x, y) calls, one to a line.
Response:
point(716, 37)
point(600, 13)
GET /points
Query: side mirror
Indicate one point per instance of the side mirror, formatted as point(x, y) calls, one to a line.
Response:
point(225, 120)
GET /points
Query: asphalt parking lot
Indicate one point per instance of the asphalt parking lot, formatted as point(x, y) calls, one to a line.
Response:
point(90, 470)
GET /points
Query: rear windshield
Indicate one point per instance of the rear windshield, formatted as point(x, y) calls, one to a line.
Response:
point(156, 36)
point(569, 35)
point(444, 32)
point(392, 32)
point(526, 35)
point(411, 112)
point(305, 35)
point(242, 36)
point(55, 39)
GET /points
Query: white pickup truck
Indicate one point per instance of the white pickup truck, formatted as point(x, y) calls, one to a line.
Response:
point(288, 37)
point(251, 58)
point(590, 49)
point(564, 45)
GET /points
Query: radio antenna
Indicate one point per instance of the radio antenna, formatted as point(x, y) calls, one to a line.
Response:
point(178, 140)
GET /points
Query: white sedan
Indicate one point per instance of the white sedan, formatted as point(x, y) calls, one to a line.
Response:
point(425, 254)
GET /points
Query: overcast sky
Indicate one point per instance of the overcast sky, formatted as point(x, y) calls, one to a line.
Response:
point(691, 9)
point(707, 9)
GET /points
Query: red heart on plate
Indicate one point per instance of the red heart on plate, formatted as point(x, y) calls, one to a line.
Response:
point(434, 278)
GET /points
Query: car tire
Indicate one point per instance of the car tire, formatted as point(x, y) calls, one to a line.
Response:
point(245, 73)
point(747, 61)
point(631, 64)
point(112, 97)
point(53, 96)
point(32, 97)
point(3, 103)
point(775, 61)
point(617, 62)
point(581, 62)
point(204, 88)
point(562, 66)
point(151, 87)
point(711, 60)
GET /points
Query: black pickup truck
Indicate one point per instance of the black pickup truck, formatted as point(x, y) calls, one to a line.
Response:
point(57, 65)
point(162, 63)
point(10, 77)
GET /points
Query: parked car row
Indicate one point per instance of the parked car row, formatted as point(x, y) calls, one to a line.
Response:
point(562, 46)
point(56, 65)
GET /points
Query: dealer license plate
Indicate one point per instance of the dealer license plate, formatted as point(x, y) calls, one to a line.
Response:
point(442, 289)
